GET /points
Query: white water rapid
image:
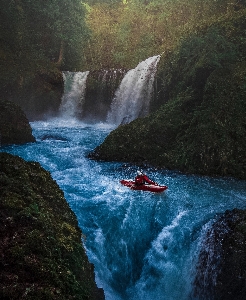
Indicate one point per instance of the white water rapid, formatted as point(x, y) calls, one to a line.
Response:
point(143, 245)
point(133, 96)
point(74, 93)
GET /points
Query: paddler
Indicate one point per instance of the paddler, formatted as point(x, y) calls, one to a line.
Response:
point(142, 179)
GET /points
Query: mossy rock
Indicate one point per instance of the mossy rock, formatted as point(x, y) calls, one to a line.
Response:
point(42, 255)
point(14, 126)
point(200, 127)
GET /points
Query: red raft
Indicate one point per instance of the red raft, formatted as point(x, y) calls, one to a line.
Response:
point(144, 187)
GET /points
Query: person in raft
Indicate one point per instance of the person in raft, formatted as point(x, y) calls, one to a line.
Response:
point(142, 179)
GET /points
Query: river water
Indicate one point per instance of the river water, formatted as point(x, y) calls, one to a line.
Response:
point(143, 245)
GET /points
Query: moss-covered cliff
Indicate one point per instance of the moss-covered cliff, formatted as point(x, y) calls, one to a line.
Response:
point(221, 269)
point(42, 256)
point(38, 93)
point(14, 126)
point(201, 125)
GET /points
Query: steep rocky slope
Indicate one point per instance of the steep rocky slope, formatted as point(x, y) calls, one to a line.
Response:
point(200, 127)
point(42, 256)
point(39, 95)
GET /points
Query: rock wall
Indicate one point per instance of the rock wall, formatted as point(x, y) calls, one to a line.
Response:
point(100, 90)
point(42, 255)
point(38, 95)
point(221, 269)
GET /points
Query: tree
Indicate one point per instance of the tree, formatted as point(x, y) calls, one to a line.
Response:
point(51, 31)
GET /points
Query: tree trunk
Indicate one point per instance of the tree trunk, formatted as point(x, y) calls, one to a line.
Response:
point(60, 58)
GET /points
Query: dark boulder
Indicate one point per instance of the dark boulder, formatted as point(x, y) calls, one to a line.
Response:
point(14, 126)
point(41, 252)
point(221, 269)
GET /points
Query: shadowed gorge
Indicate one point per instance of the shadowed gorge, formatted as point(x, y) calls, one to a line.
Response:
point(112, 87)
point(143, 245)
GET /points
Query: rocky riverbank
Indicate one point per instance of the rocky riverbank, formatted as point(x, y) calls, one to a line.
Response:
point(42, 255)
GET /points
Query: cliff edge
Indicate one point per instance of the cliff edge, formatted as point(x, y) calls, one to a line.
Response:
point(200, 127)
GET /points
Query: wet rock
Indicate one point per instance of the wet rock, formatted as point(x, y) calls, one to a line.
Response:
point(221, 269)
point(101, 86)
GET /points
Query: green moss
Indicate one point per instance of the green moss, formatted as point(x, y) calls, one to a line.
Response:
point(200, 127)
point(42, 253)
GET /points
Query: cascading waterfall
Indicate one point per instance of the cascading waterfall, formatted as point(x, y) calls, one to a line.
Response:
point(74, 92)
point(134, 93)
point(114, 96)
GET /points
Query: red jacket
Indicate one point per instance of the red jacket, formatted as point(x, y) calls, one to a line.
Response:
point(142, 179)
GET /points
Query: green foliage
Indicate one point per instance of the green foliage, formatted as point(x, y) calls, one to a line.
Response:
point(201, 126)
point(92, 2)
point(133, 30)
point(37, 40)
point(33, 34)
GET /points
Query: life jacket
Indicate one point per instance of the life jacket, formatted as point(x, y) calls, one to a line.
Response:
point(141, 179)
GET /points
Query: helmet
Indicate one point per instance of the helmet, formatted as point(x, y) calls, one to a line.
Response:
point(139, 173)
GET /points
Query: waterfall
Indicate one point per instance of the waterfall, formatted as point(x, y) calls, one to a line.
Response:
point(111, 95)
point(133, 96)
point(74, 92)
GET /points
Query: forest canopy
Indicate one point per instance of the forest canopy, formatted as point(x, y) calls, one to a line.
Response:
point(93, 34)
point(34, 34)
point(132, 30)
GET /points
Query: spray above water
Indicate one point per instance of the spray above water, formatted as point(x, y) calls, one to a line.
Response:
point(74, 94)
point(131, 99)
point(133, 96)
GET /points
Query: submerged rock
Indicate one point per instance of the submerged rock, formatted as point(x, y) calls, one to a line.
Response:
point(42, 255)
point(221, 269)
point(14, 126)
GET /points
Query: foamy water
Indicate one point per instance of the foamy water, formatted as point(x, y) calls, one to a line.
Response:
point(143, 245)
